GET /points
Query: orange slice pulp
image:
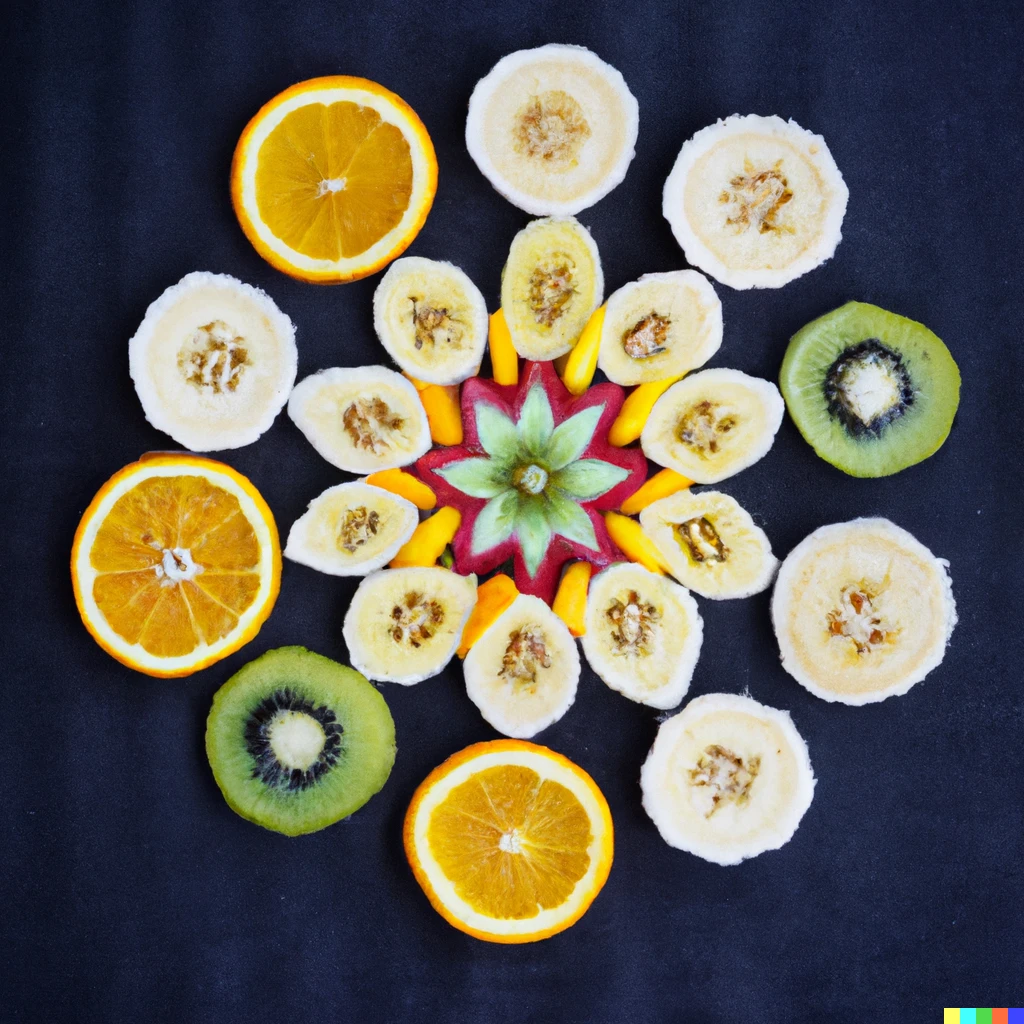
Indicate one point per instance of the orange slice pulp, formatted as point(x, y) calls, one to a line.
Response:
point(176, 563)
point(510, 841)
point(333, 178)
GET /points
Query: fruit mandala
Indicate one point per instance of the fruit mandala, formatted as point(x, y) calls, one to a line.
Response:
point(176, 563)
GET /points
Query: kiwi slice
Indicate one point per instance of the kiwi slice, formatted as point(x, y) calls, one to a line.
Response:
point(871, 392)
point(297, 742)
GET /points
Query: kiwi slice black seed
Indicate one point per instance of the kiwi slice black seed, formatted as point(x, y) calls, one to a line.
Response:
point(297, 742)
point(872, 392)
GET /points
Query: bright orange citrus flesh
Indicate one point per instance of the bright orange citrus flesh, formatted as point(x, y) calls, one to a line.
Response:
point(511, 841)
point(177, 565)
point(334, 178)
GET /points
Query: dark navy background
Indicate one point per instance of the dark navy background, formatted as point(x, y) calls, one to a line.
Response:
point(130, 892)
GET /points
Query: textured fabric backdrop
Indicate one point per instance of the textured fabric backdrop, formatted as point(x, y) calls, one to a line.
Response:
point(130, 892)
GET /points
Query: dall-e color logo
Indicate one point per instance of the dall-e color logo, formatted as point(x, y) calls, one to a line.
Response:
point(983, 1015)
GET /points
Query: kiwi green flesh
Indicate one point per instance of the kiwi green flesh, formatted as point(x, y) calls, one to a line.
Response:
point(922, 370)
point(358, 741)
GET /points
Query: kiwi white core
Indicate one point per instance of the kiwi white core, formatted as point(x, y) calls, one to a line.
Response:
point(296, 739)
point(870, 389)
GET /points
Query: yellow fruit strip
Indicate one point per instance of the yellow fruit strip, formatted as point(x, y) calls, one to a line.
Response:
point(429, 539)
point(444, 413)
point(636, 409)
point(493, 596)
point(570, 602)
point(504, 358)
point(661, 485)
point(405, 485)
point(582, 362)
point(420, 385)
point(633, 542)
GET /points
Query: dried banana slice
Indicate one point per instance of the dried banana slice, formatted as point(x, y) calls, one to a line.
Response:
point(643, 634)
point(522, 673)
point(403, 625)
point(727, 778)
point(213, 362)
point(862, 611)
point(710, 544)
point(661, 326)
point(361, 419)
point(553, 129)
point(351, 529)
point(551, 283)
point(755, 201)
point(431, 319)
point(713, 424)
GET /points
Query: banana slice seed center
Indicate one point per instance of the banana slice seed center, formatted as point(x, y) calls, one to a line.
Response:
point(647, 337)
point(551, 127)
point(721, 777)
point(525, 655)
point(214, 358)
point(416, 619)
point(703, 427)
point(859, 618)
point(368, 421)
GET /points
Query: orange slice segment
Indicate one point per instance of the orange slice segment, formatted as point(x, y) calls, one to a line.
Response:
point(176, 564)
point(333, 178)
point(510, 841)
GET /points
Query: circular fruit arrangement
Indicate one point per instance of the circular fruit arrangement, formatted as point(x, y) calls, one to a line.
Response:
point(500, 519)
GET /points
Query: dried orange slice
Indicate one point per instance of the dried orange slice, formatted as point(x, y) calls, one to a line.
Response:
point(333, 178)
point(510, 841)
point(175, 564)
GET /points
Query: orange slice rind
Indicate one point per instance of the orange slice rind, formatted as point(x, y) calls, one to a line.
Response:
point(510, 841)
point(176, 563)
point(333, 178)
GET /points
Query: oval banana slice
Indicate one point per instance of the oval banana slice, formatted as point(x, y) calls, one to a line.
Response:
point(403, 625)
point(713, 424)
point(522, 673)
point(755, 201)
point(213, 362)
point(662, 325)
point(553, 129)
point(710, 544)
point(361, 419)
point(351, 529)
point(727, 778)
point(432, 319)
point(862, 611)
point(551, 283)
point(643, 634)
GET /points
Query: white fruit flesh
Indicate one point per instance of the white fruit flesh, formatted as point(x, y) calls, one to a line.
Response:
point(713, 424)
point(351, 529)
point(550, 285)
point(710, 544)
point(432, 320)
point(755, 201)
point(403, 625)
point(643, 634)
point(361, 419)
point(727, 778)
point(213, 362)
point(522, 673)
point(553, 129)
point(660, 326)
point(862, 611)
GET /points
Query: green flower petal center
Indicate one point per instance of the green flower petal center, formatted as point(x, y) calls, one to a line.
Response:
point(530, 479)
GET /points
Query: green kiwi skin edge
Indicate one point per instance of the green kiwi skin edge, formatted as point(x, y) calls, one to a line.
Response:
point(368, 741)
point(910, 439)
